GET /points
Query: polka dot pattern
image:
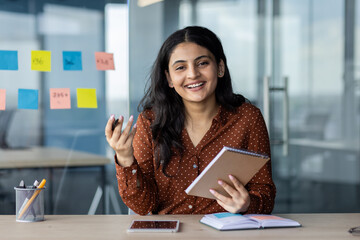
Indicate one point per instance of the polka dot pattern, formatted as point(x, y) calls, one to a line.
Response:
point(146, 189)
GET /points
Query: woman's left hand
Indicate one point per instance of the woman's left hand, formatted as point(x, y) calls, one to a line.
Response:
point(239, 199)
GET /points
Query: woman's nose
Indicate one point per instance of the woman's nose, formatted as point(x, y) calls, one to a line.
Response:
point(193, 72)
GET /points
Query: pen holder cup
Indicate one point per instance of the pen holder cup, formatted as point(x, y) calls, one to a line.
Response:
point(29, 204)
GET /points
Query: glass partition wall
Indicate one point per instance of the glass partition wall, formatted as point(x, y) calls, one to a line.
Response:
point(66, 145)
point(298, 61)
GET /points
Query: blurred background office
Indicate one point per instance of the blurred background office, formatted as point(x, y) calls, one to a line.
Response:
point(298, 61)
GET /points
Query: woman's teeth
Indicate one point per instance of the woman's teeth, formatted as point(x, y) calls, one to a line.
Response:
point(195, 85)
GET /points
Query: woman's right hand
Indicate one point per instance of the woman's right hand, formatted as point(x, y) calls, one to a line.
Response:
point(121, 142)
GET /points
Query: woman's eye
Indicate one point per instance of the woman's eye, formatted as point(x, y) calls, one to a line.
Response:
point(179, 68)
point(203, 63)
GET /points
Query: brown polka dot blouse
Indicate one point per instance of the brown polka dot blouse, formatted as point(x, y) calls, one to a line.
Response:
point(146, 189)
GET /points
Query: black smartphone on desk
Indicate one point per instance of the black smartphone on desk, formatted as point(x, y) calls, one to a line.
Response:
point(154, 226)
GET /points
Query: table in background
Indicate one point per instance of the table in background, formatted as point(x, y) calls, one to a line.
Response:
point(87, 227)
point(50, 158)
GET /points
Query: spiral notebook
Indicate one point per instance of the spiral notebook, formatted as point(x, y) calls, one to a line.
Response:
point(240, 163)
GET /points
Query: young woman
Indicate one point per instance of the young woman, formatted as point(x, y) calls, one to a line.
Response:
point(189, 113)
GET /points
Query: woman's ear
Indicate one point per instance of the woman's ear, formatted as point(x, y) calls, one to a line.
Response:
point(168, 79)
point(221, 68)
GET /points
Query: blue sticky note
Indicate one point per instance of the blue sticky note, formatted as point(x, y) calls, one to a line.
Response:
point(28, 99)
point(226, 214)
point(8, 60)
point(72, 61)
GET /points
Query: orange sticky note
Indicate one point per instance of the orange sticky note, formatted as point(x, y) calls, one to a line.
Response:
point(104, 61)
point(60, 98)
point(2, 99)
point(41, 61)
point(86, 98)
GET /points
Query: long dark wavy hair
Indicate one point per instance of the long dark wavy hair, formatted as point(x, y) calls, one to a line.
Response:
point(167, 104)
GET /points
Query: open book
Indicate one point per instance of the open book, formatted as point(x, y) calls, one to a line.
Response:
point(232, 221)
point(240, 163)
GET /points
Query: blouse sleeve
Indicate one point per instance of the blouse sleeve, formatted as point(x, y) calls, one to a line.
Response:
point(136, 183)
point(261, 187)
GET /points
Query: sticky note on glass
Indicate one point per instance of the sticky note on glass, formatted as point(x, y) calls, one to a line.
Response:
point(28, 99)
point(104, 61)
point(2, 99)
point(60, 98)
point(41, 61)
point(86, 98)
point(72, 61)
point(8, 60)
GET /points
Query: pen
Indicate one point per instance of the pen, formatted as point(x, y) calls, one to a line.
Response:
point(36, 183)
point(32, 210)
point(41, 185)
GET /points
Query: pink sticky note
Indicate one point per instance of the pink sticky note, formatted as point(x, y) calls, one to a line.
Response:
point(2, 99)
point(60, 98)
point(267, 217)
point(104, 61)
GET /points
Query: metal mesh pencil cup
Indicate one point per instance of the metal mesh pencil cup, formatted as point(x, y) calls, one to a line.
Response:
point(29, 204)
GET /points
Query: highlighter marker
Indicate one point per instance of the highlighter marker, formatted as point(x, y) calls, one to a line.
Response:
point(21, 184)
point(114, 124)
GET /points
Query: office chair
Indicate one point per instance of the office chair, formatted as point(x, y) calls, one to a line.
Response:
point(5, 120)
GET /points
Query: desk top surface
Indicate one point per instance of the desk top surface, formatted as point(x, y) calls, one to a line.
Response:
point(315, 226)
point(48, 157)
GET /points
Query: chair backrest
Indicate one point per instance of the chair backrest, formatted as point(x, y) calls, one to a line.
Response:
point(5, 120)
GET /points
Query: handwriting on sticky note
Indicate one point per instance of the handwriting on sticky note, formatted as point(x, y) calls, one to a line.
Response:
point(41, 61)
point(60, 98)
point(8, 60)
point(104, 61)
point(2, 99)
point(86, 98)
point(28, 99)
point(72, 61)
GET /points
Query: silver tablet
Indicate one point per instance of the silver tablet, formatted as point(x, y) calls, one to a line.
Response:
point(154, 226)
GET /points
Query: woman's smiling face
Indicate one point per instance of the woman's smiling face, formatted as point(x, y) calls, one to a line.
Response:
point(193, 72)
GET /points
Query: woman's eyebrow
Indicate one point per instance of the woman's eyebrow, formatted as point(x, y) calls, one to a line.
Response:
point(199, 57)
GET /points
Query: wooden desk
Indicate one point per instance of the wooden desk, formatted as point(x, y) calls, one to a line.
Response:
point(87, 227)
point(50, 158)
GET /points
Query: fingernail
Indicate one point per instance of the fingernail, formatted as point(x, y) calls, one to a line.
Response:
point(134, 125)
point(121, 118)
point(220, 182)
point(112, 116)
point(231, 177)
point(131, 118)
point(212, 191)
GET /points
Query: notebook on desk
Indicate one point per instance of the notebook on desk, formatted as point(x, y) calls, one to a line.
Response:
point(241, 164)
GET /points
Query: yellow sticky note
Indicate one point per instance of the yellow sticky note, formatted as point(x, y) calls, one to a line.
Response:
point(86, 98)
point(41, 61)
